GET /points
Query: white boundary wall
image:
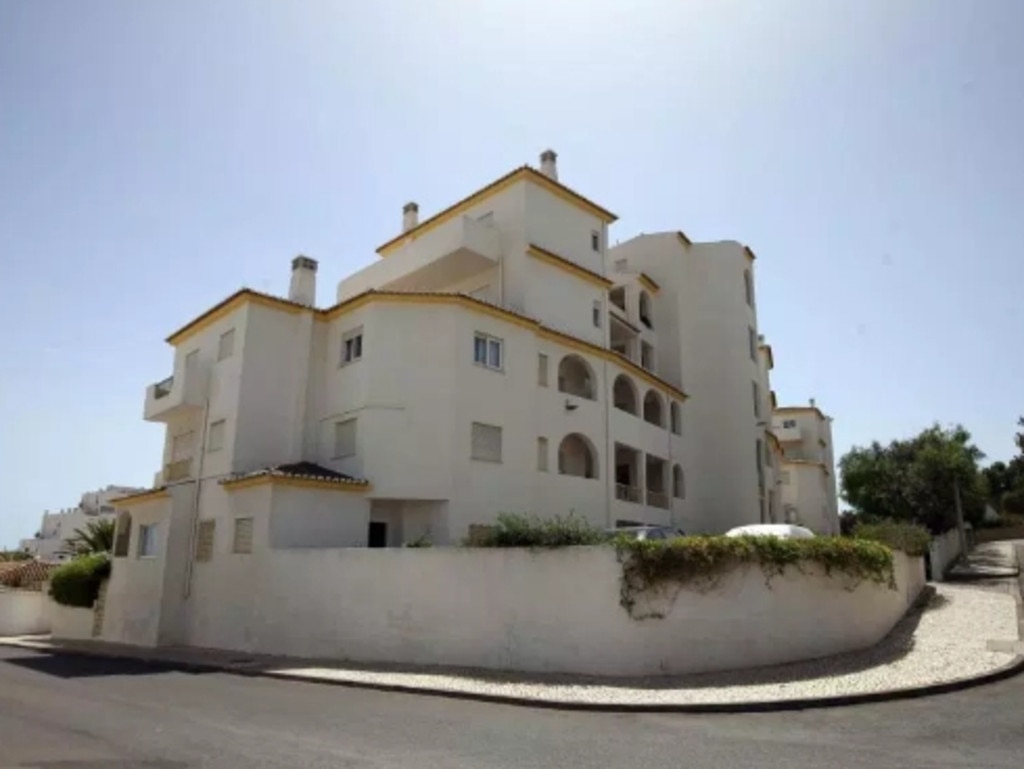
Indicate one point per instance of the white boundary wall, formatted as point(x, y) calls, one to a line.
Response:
point(943, 551)
point(70, 622)
point(531, 611)
point(23, 612)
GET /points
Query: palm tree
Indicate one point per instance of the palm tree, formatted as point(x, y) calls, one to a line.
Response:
point(98, 537)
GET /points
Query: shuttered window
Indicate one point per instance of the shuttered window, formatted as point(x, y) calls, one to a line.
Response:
point(226, 345)
point(486, 443)
point(204, 540)
point(542, 370)
point(242, 542)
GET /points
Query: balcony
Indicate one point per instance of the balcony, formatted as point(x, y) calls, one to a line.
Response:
point(448, 254)
point(657, 499)
point(178, 471)
point(175, 395)
point(625, 493)
point(787, 434)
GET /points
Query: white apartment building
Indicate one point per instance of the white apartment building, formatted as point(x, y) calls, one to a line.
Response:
point(496, 357)
point(57, 527)
point(802, 438)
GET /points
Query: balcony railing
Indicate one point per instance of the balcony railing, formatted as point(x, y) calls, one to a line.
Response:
point(627, 493)
point(178, 471)
point(163, 387)
point(657, 499)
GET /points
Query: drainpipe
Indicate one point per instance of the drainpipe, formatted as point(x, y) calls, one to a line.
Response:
point(609, 448)
point(194, 524)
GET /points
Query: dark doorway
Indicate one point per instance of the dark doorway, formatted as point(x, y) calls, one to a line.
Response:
point(378, 534)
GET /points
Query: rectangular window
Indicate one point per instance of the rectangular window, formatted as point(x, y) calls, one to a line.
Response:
point(487, 351)
point(597, 314)
point(123, 536)
point(542, 454)
point(647, 356)
point(542, 370)
point(757, 398)
point(752, 340)
point(147, 541)
point(345, 439)
point(595, 240)
point(486, 443)
point(215, 440)
point(787, 423)
point(226, 345)
point(242, 540)
point(352, 345)
point(204, 540)
point(181, 445)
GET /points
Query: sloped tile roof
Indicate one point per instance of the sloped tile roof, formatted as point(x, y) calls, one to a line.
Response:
point(306, 470)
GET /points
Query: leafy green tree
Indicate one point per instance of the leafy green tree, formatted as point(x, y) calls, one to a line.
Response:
point(914, 479)
point(97, 537)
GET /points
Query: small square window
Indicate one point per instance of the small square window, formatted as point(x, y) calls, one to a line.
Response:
point(345, 439)
point(542, 370)
point(226, 345)
point(242, 540)
point(352, 346)
point(787, 423)
point(595, 240)
point(486, 443)
point(487, 351)
point(147, 541)
point(215, 440)
point(204, 540)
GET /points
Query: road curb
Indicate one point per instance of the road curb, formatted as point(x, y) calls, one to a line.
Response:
point(1013, 668)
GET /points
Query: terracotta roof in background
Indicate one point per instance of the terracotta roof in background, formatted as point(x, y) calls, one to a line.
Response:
point(27, 575)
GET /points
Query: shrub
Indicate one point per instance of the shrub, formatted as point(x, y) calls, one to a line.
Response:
point(910, 538)
point(531, 531)
point(421, 541)
point(77, 583)
point(698, 562)
point(1013, 503)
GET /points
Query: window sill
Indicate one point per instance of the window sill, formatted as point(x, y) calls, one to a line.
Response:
point(495, 369)
point(345, 363)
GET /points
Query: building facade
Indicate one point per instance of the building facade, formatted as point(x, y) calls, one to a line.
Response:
point(497, 357)
point(806, 460)
point(50, 542)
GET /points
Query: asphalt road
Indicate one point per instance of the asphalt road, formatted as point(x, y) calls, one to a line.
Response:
point(60, 712)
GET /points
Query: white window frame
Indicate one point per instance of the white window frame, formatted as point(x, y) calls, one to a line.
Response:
point(351, 451)
point(490, 344)
point(354, 352)
point(146, 546)
point(226, 345)
point(222, 424)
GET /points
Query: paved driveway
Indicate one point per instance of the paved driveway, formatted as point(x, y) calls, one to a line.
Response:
point(75, 713)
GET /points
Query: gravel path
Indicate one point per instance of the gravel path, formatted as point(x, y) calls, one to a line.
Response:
point(945, 640)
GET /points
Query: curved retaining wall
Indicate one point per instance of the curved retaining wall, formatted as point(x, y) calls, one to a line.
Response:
point(530, 611)
point(23, 612)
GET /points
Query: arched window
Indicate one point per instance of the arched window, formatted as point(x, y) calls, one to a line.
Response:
point(675, 418)
point(122, 534)
point(575, 377)
point(645, 310)
point(577, 456)
point(653, 411)
point(678, 482)
point(624, 395)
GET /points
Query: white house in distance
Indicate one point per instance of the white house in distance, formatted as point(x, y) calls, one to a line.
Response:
point(59, 526)
point(496, 357)
point(807, 478)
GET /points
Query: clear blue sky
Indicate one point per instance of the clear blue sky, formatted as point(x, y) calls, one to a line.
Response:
point(156, 156)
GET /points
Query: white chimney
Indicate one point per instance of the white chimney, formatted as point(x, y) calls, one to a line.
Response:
point(410, 216)
point(549, 164)
point(303, 286)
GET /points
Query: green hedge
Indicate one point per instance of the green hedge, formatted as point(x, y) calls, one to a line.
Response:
point(513, 530)
point(910, 538)
point(77, 583)
point(699, 562)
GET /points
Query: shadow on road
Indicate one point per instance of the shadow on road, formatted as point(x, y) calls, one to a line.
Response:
point(74, 666)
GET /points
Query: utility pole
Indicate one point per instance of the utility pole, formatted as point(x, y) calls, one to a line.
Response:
point(960, 518)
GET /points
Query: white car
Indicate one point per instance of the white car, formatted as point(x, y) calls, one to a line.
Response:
point(781, 530)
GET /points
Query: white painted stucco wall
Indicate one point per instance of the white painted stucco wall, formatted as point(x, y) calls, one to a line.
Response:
point(531, 611)
point(70, 622)
point(23, 612)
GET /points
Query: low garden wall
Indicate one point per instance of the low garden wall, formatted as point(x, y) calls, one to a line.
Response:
point(23, 612)
point(558, 610)
point(69, 622)
point(942, 553)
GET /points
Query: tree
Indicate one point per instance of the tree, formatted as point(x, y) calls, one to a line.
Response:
point(914, 479)
point(98, 537)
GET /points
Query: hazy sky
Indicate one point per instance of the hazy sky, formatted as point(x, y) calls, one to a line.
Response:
point(156, 156)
